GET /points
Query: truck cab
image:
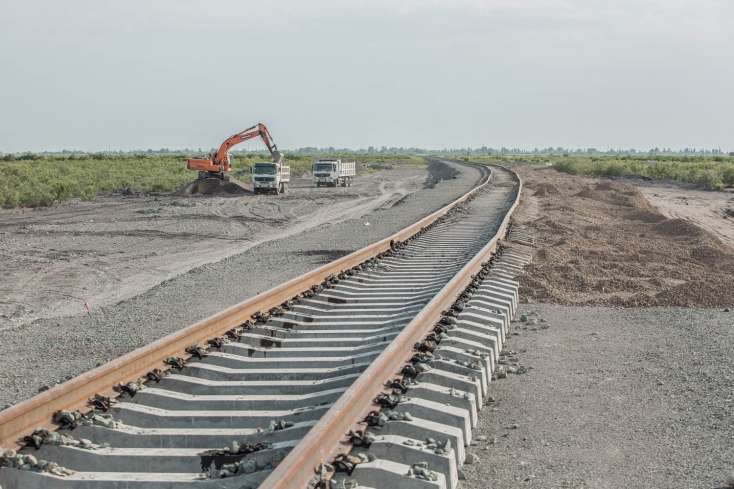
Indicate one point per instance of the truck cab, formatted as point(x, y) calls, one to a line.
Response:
point(324, 172)
point(333, 172)
point(270, 177)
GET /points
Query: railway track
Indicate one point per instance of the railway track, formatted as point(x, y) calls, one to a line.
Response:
point(271, 401)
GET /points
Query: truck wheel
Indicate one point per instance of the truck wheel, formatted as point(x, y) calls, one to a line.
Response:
point(318, 184)
point(283, 187)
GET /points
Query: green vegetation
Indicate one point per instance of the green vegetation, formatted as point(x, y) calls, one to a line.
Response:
point(709, 172)
point(33, 180)
point(41, 181)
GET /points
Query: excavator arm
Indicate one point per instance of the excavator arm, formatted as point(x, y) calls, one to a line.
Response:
point(219, 162)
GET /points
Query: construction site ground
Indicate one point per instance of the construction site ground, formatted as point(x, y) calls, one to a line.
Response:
point(627, 336)
point(616, 395)
point(149, 265)
point(614, 398)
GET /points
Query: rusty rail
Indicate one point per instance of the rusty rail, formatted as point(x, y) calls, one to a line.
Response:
point(326, 439)
point(21, 419)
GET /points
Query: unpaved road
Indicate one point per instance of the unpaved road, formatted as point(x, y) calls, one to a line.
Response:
point(49, 350)
point(633, 398)
point(99, 253)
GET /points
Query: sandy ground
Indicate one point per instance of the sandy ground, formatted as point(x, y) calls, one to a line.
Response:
point(602, 242)
point(633, 398)
point(50, 350)
point(99, 253)
point(712, 211)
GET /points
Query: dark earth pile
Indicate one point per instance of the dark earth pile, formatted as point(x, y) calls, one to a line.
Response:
point(213, 186)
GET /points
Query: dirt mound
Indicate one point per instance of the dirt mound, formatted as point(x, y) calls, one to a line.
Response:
point(615, 193)
point(679, 228)
point(213, 186)
point(545, 189)
point(437, 172)
point(644, 216)
point(603, 243)
point(711, 255)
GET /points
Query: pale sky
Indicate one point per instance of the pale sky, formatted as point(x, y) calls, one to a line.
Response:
point(130, 74)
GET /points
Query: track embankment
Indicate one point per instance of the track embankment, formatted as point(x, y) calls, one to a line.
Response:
point(332, 224)
point(305, 357)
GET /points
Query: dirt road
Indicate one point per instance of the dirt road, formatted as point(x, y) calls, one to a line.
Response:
point(50, 350)
point(59, 261)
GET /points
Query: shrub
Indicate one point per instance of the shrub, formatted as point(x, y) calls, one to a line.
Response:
point(711, 173)
point(35, 180)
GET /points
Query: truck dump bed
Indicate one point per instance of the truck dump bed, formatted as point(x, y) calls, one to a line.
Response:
point(347, 169)
point(285, 173)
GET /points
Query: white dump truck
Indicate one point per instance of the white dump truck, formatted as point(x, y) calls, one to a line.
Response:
point(270, 177)
point(334, 172)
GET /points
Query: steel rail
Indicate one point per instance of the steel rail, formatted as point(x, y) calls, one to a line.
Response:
point(37, 412)
point(327, 438)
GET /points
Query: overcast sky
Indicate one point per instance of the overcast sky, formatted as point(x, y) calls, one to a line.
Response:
point(98, 75)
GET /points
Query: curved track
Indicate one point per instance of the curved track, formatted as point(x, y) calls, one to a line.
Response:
point(262, 390)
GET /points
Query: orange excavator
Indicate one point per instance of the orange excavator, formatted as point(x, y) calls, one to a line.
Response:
point(218, 164)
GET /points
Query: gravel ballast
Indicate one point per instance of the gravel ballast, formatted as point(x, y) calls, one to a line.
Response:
point(49, 351)
point(633, 398)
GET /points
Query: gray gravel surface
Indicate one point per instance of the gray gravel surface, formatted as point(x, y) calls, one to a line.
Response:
point(49, 351)
point(632, 398)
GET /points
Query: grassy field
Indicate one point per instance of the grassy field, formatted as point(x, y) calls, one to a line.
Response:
point(709, 172)
point(36, 181)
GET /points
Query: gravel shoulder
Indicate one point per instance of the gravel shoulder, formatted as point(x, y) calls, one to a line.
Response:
point(50, 350)
point(634, 398)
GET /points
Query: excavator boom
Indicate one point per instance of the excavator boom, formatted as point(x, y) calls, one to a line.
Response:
point(218, 164)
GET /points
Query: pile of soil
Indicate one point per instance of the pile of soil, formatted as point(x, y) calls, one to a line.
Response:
point(438, 172)
point(602, 242)
point(545, 189)
point(213, 186)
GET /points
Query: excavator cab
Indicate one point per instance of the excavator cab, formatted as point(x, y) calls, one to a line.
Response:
point(206, 168)
point(219, 162)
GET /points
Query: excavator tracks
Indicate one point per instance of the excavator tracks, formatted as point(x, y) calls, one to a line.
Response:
point(261, 394)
